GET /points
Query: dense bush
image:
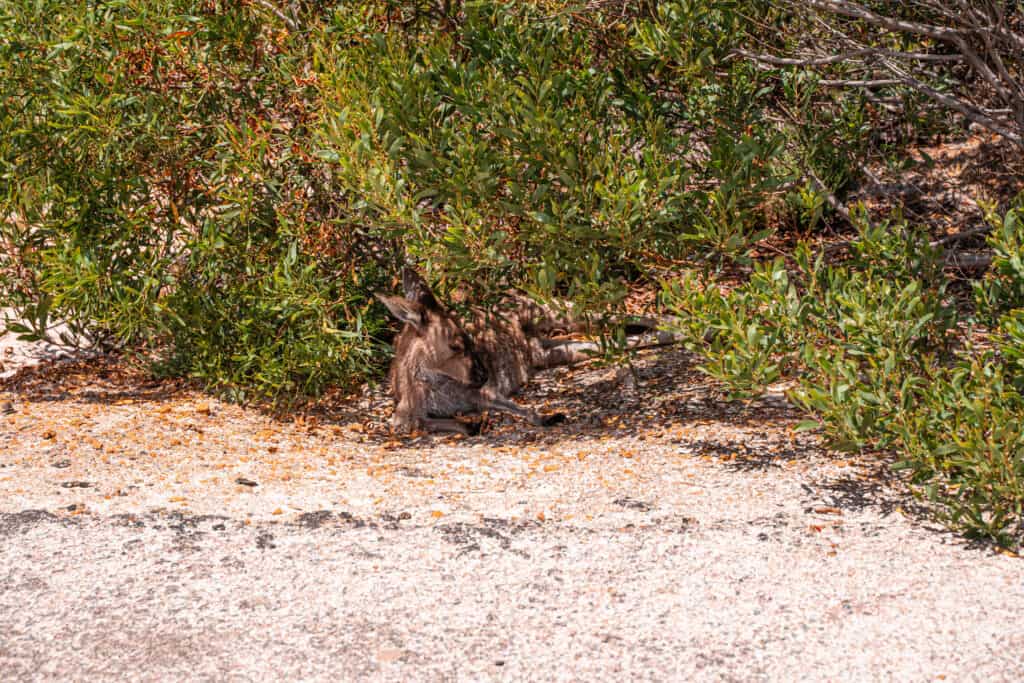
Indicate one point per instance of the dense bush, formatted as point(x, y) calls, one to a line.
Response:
point(219, 185)
point(158, 193)
point(872, 348)
point(1002, 287)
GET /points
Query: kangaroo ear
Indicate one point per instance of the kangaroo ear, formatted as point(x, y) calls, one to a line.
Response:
point(404, 310)
point(416, 289)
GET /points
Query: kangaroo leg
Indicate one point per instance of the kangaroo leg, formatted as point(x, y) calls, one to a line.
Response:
point(408, 423)
point(565, 353)
point(506, 406)
point(436, 424)
point(549, 353)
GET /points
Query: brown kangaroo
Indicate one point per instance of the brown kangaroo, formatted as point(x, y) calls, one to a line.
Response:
point(441, 370)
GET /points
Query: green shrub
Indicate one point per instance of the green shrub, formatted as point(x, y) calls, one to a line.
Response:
point(746, 337)
point(220, 188)
point(158, 193)
point(872, 348)
point(885, 304)
point(963, 442)
point(1002, 288)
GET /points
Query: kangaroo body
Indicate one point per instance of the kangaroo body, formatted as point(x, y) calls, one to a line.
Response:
point(442, 369)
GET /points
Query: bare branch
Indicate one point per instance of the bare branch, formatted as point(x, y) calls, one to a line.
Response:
point(855, 11)
point(836, 205)
point(845, 57)
point(971, 112)
point(961, 236)
point(980, 36)
point(968, 261)
point(855, 83)
point(276, 11)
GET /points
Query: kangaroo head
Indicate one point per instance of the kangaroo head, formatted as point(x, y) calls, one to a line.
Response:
point(431, 338)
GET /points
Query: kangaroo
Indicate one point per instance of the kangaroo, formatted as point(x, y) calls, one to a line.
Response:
point(441, 370)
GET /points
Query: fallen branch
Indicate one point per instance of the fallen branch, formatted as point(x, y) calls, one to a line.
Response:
point(968, 261)
point(960, 236)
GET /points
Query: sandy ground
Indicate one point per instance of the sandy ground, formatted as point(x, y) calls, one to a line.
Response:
point(151, 532)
